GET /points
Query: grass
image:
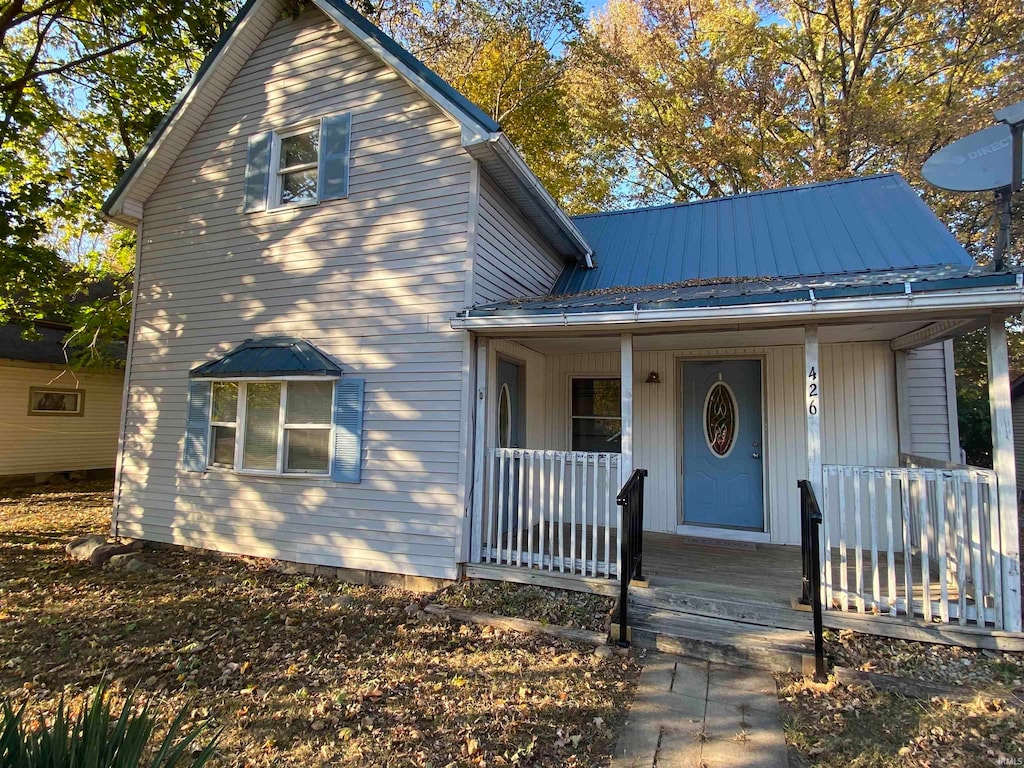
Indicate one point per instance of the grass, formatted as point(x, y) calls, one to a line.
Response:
point(543, 604)
point(837, 726)
point(298, 671)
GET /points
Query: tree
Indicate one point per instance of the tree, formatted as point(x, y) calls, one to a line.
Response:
point(508, 57)
point(82, 85)
point(699, 98)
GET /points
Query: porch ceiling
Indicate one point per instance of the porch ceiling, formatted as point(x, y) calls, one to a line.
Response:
point(573, 341)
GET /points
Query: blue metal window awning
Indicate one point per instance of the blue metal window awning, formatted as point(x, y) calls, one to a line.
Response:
point(273, 356)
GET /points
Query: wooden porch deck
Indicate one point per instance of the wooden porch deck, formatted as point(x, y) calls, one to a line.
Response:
point(762, 573)
point(768, 574)
point(752, 583)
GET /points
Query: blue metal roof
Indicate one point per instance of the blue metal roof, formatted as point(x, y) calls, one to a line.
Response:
point(867, 224)
point(270, 356)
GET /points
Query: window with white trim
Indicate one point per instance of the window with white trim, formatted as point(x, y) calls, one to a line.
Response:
point(275, 427)
point(43, 401)
point(296, 161)
point(298, 165)
point(596, 415)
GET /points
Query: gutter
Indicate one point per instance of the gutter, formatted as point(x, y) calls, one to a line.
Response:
point(813, 309)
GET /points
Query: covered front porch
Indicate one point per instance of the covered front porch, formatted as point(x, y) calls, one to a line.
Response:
point(863, 406)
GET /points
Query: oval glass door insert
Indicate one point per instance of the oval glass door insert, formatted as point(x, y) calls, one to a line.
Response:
point(504, 418)
point(721, 419)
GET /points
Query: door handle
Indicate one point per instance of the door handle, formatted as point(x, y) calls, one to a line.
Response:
point(756, 455)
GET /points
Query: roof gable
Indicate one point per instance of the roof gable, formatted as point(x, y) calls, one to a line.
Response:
point(852, 226)
point(481, 135)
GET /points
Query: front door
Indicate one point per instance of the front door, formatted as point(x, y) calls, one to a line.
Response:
point(511, 410)
point(511, 429)
point(722, 444)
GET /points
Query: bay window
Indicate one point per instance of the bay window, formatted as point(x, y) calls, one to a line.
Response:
point(275, 427)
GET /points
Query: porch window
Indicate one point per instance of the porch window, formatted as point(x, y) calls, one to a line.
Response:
point(596, 415)
point(280, 427)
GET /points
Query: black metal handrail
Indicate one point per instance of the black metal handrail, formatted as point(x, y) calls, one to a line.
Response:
point(810, 543)
point(631, 544)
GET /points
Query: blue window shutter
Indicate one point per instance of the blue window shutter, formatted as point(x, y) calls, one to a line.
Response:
point(348, 430)
point(197, 428)
point(334, 145)
point(257, 172)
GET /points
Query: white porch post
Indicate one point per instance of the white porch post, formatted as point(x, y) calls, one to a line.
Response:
point(1003, 463)
point(812, 406)
point(479, 451)
point(626, 373)
point(902, 402)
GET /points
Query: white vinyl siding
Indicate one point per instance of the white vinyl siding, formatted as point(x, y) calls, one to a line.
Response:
point(38, 444)
point(512, 259)
point(929, 404)
point(858, 418)
point(372, 280)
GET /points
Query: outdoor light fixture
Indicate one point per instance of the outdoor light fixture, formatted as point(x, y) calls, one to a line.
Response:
point(653, 378)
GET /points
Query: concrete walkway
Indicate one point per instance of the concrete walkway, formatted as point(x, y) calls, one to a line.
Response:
point(694, 714)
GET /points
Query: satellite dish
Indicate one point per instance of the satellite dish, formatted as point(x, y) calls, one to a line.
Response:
point(975, 163)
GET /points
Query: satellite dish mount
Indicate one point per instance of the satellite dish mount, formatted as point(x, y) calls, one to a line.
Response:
point(989, 159)
point(1013, 116)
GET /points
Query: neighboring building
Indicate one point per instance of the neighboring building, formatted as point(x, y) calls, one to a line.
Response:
point(55, 420)
point(366, 337)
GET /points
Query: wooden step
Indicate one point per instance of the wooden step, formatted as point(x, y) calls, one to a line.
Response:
point(723, 641)
point(722, 607)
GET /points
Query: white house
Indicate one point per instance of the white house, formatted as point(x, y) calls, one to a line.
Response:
point(366, 337)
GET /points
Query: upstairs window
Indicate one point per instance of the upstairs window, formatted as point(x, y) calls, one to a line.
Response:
point(298, 165)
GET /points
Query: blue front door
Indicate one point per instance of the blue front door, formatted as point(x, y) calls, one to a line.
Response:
point(722, 444)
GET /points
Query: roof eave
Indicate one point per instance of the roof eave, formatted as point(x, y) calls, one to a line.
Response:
point(496, 154)
point(119, 206)
point(986, 299)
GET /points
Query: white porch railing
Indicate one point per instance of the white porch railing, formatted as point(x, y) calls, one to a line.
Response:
point(551, 510)
point(918, 541)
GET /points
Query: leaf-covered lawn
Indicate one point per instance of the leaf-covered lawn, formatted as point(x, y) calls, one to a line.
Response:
point(549, 606)
point(298, 671)
point(855, 726)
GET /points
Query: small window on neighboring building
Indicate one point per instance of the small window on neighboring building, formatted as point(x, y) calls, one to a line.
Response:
point(44, 401)
point(596, 415)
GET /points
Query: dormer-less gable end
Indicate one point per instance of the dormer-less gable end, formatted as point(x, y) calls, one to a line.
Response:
point(481, 136)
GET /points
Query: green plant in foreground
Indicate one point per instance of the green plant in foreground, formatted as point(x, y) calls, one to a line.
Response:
point(94, 739)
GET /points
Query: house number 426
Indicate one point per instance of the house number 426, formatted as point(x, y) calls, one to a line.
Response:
point(812, 391)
